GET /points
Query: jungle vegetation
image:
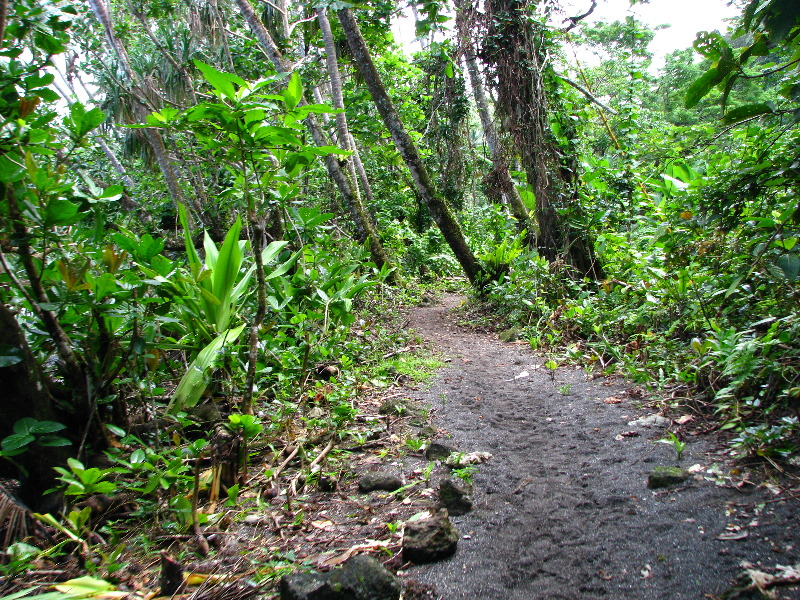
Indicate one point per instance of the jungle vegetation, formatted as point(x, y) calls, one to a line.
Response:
point(210, 207)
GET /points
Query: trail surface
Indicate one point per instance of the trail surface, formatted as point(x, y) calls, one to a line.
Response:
point(563, 509)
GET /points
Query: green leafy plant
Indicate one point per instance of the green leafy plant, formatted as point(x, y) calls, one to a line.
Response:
point(466, 473)
point(82, 481)
point(674, 441)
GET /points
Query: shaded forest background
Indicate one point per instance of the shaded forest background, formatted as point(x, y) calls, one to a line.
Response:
point(211, 209)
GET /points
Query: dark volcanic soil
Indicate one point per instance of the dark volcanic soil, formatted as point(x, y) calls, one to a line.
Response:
point(563, 509)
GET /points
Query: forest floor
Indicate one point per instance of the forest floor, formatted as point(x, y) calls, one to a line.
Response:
point(563, 510)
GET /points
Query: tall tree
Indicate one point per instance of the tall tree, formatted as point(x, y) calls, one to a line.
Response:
point(408, 151)
point(515, 47)
point(499, 180)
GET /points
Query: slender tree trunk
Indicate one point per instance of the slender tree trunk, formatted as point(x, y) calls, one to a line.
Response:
point(345, 184)
point(363, 178)
point(405, 145)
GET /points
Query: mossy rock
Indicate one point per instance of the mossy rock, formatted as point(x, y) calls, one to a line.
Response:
point(662, 477)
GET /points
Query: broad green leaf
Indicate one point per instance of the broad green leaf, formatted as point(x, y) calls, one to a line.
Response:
point(226, 272)
point(222, 82)
point(702, 86)
point(272, 250)
point(747, 111)
point(211, 251)
point(62, 212)
point(51, 441)
point(83, 121)
point(293, 92)
point(193, 383)
point(713, 46)
point(195, 263)
point(25, 425)
point(16, 443)
point(284, 267)
point(47, 427)
point(789, 264)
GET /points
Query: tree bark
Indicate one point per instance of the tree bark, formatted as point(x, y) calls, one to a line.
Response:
point(405, 145)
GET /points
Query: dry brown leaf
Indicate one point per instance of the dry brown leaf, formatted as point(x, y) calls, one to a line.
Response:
point(612, 400)
point(684, 419)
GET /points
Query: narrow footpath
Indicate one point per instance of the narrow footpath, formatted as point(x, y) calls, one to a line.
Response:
point(563, 508)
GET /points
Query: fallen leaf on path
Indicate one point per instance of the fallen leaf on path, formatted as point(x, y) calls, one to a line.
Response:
point(521, 375)
point(612, 400)
point(325, 525)
point(625, 434)
point(684, 419)
point(695, 468)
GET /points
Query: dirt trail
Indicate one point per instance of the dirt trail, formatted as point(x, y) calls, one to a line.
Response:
point(563, 509)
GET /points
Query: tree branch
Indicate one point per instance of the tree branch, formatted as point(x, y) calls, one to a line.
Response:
point(575, 20)
point(588, 94)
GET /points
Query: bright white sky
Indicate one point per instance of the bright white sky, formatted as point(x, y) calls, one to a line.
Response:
point(685, 17)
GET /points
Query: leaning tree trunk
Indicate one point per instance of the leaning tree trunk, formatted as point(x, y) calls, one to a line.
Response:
point(512, 48)
point(344, 182)
point(499, 181)
point(405, 145)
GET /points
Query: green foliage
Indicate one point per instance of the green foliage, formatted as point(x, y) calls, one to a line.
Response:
point(82, 481)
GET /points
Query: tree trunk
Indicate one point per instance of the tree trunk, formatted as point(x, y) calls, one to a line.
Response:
point(514, 50)
point(345, 184)
point(25, 394)
point(438, 208)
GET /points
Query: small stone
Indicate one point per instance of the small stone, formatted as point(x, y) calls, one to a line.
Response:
point(661, 477)
point(438, 451)
point(379, 480)
point(255, 520)
point(455, 496)
point(461, 459)
point(650, 421)
point(429, 540)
